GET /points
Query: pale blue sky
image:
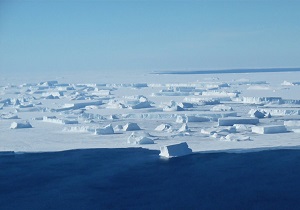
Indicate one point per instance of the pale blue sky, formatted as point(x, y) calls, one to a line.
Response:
point(148, 35)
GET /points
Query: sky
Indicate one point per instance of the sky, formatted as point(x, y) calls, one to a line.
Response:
point(75, 36)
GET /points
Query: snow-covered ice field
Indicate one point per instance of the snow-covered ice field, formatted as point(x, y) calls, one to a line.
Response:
point(210, 112)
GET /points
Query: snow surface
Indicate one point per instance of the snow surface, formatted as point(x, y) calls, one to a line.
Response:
point(115, 104)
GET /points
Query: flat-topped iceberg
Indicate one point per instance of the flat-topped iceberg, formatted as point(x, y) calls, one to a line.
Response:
point(230, 121)
point(268, 129)
point(175, 150)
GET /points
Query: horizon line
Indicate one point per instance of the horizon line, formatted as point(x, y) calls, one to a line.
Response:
point(231, 71)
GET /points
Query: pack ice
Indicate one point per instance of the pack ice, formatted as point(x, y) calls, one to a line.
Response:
point(229, 112)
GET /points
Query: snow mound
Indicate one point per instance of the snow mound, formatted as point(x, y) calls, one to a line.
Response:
point(51, 97)
point(185, 105)
point(242, 127)
point(203, 101)
point(112, 117)
point(138, 102)
point(221, 107)
point(172, 107)
point(48, 83)
point(118, 128)
point(184, 128)
point(219, 94)
point(269, 129)
point(286, 83)
point(181, 119)
point(17, 125)
point(229, 121)
point(218, 130)
point(112, 104)
point(257, 113)
point(131, 102)
point(175, 150)
point(59, 121)
point(141, 105)
point(134, 138)
point(164, 127)
point(296, 130)
point(78, 129)
point(9, 116)
point(131, 127)
point(191, 118)
point(53, 94)
point(108, 129)
point(235, 137)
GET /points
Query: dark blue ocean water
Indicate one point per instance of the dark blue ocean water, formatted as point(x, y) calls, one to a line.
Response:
point(135, 178)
